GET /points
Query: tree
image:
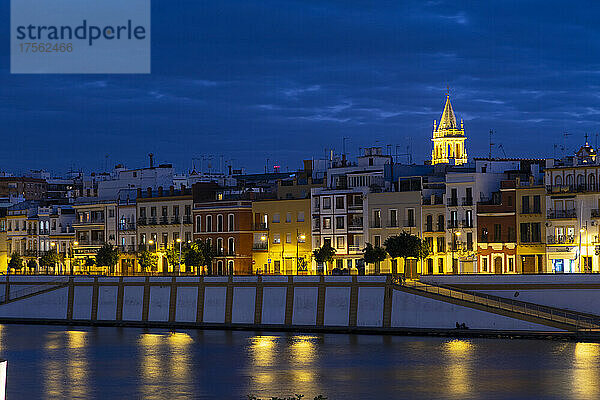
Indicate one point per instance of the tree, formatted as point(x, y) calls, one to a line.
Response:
point(208, 254)
point(374, 255)
point(49, 259)
point(172, 255)
point(107, 256)
point(406, 246)
point(16, 261)
point(148, 260)
point(32, 264)
point(324, 254)
point(197, 254)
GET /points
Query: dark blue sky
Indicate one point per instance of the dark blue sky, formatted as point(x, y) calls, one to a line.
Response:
point(284, 80)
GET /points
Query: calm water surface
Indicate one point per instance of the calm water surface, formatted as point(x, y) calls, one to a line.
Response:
point(48, 362)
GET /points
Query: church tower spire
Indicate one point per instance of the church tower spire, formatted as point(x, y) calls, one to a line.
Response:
point(448, 138)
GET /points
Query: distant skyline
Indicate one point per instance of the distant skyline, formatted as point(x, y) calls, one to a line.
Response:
point(285, 80)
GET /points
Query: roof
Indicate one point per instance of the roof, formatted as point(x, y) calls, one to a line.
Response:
point(448, 120)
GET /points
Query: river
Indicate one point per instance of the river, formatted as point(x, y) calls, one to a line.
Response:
point(53, 362)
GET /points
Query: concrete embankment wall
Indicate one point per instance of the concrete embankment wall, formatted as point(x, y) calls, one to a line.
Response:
point(356, 302)
point(576, 292)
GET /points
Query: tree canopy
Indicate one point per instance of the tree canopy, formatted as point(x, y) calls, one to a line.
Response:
point(107, 256)
point(373, 254)
point(16, 261)
point(404, 245)
point(49, 259)
point(324, 254)
point(148, 260)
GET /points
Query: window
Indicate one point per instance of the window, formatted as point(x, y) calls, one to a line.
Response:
point(469, 218)
point(143, 239)
point(188, 237)
point(377, 240)
point(188, 210)
point(230, 226)
point(441, 244)
point(152, 212)
point(376, 218)
point(339, 203)
point(525, 236)
point(511, 265)
point(142, 212)
point(410, 217)
point(300, 216)
point(231, 246)
point(339, 222)
point(440, 265)
point(288, 238)
point(429, 224)
point(326, 222)
point(276, 238)
point(469, 241)
point(276, 266)
point(525, 205)
point(220, 246)
point(326, 203)
point(469, 196)
point(484, 235)
point(198, 223)
point(176, 211)
point(111, 213)
point(339, 242)
point(219, 223)
point(276, 217)
point(165, 211)
point(536, 235)
point(429, 242)
point(497, 233)
point(536, 204)
point(440, 224)
point(288, 217)
point(511, 234)
point(208, 227)
point(165, 239)
point(484, 264)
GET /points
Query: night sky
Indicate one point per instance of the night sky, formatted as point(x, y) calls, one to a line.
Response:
point(285, 80)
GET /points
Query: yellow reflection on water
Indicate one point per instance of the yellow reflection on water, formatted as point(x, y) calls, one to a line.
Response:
point(77, 363)
point(585, 373)
point(459, 355)
point(165, 357)
point(262, 350)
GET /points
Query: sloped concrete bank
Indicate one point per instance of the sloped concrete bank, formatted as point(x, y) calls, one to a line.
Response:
point(344, 304)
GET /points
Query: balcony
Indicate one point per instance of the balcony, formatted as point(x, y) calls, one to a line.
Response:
point(187, 219)
point(152, 221)
point(164, 220)
point(91, 221)
point(440, 228)
point(467, 201)
point(452, 201)
point(392, 224)
point(86, 242)
point(175, 220)
point(128, 226)
point(428, 228)
point(260, 245)
point(562, 214)
point(355, 227)
point(376, 224)
point(572, 188)
point(467, 223)
point(410, 223)
point(142, 221)
point(530, 211)
point(354, 249)
point(595, 213)
point(126, 248)
point(355, 206)
point(260, 226)
point(452, 224)
point(562, 239)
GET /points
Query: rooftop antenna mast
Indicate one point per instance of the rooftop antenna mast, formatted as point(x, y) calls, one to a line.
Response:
point(491, 144)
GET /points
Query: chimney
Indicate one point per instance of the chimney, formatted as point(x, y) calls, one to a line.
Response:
point(171, 190)
point(149, 192)
point(139, 192)
point(160, 191)
point(151, 155)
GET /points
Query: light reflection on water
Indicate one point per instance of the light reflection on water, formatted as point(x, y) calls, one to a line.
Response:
point(127, 363)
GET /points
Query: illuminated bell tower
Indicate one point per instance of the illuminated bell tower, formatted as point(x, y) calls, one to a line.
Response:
point(448, 140)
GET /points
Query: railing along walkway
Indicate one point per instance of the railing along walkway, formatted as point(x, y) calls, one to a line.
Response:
point(14, 295)
point(578, 321)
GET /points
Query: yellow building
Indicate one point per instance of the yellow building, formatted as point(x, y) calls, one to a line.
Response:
point(448, 139)
point(282, 237)
point(531, 220)
point(434, 234)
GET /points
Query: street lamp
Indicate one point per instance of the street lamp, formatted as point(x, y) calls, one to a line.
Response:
point(298, 238)
point(178, 240)
point(72, 258)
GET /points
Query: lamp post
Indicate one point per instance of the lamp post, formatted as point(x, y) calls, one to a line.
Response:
point(52, 246)
point(455, 237)
point(298, 238)
point(178, 240)
point(72, 258)
point(264, 238)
